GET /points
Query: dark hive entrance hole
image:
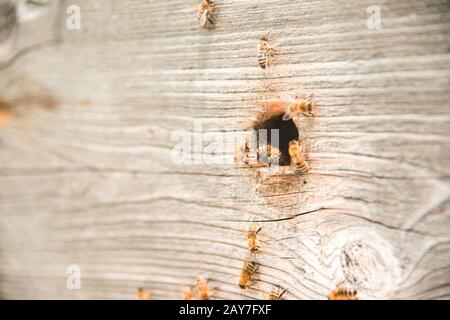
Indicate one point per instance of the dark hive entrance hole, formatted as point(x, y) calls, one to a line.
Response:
point(287, 131)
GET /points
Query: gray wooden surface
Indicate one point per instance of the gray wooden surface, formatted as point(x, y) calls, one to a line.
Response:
point(86, 176)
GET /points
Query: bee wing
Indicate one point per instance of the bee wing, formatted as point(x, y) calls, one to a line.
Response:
point(204, 18)
point(282, 293)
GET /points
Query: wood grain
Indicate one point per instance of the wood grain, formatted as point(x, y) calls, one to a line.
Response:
point(90, 181)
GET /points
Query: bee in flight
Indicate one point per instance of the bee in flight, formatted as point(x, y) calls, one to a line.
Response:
point(276, 293)
point(248, 270)
point(303, 107)
point(264, 52)
point(298, 158)
point(204, 13)
point(252, 239)
point(203, 291)
point(343, 292)
point(142, 294)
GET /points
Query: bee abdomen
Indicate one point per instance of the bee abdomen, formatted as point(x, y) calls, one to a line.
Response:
point(304, 166)
point(263, 59)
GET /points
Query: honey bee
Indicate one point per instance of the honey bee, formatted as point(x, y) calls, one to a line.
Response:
point(248, 270)
point(343, 292)
point(187, 293)
point(269, 155)
point(244, 154)
point(204, 13)
point(276, 293)
point(304, 107)
point(142, 294)
point(264, 52)
point(252, 239)
point(203, 291)
point(298, 156)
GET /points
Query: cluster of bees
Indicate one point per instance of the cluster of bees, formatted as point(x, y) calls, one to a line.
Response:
point(265, 51)
point(304, 108)
point(202, 290)
point(266, 155)
point(251, 264)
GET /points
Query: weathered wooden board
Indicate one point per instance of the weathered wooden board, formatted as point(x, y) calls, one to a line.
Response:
point(90, 181)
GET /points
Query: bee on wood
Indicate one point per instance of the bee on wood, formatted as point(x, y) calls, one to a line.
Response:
point(298, 156)
point(276, 293)
point(269, 155)
point(264, 52)
point(205, 5)
point(244, 154)
point(204, 13)
point(203, 291)
point(248, 270)
point(343, 292)
point(187, 293)
point(303, 107)
point(142, 294)
point(252, 239)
